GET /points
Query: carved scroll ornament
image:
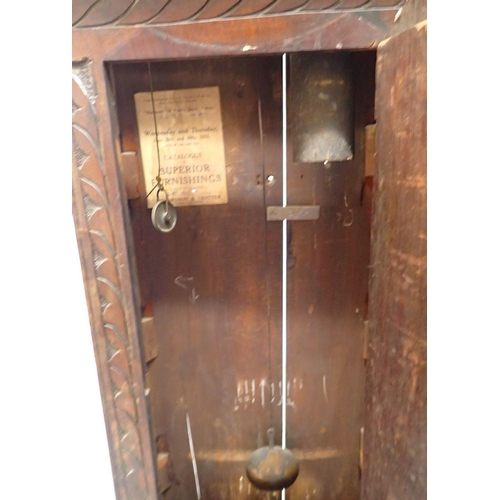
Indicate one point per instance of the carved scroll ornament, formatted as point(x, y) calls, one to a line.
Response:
point(100, 13)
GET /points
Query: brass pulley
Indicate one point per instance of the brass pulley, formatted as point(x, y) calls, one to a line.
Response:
point(164, 216)
point(272, 467)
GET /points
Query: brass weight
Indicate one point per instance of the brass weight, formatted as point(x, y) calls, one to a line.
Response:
point(272, 467)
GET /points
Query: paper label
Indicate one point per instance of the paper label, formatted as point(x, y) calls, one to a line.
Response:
point(190, 145)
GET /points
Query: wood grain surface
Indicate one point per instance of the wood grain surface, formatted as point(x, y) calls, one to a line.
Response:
point(396, 427)
point(99, 13)
point(215, 287)
point(249, 27)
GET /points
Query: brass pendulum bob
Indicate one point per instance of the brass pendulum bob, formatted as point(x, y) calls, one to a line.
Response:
point(272, 467)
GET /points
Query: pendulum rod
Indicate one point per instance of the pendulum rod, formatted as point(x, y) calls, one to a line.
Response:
point(284, 267)
point(275, 468)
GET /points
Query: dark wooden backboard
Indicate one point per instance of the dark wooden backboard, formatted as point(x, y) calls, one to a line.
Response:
point(214, 288)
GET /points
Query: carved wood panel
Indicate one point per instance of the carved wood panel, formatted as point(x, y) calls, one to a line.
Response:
point(94, 13)
point(114, 336)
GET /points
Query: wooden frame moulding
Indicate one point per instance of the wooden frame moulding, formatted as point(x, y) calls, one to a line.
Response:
point(99, 199)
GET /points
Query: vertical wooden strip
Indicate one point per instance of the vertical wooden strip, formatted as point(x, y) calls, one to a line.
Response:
point(370, 150)
point(327, 286)
point(396, 426)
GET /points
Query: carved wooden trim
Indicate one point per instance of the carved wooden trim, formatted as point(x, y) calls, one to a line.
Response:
point(263, 35)
point(107, 13)
point(108, 288)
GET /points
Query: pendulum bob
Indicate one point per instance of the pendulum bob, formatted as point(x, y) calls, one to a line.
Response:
point(272, 467)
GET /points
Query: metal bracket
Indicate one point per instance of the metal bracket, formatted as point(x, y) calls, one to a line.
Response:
point(302, 212)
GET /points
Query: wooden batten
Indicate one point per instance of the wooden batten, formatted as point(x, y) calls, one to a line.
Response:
point(131, 174)
point(150, 338)
point(163, 479)
point(370, 149)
